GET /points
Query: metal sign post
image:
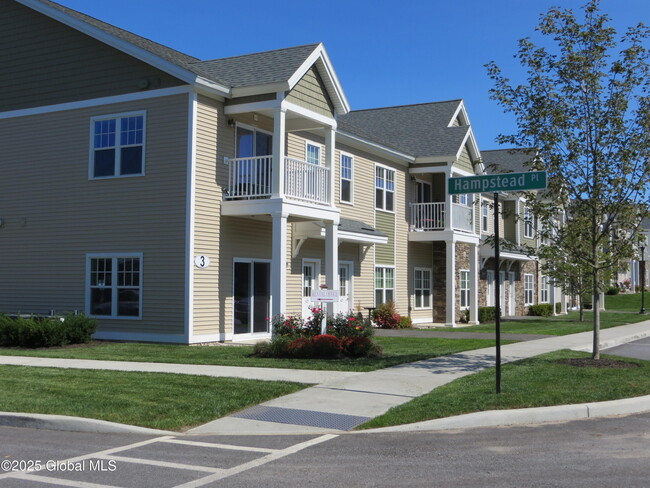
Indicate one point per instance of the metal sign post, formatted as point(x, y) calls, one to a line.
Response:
point(506, 182)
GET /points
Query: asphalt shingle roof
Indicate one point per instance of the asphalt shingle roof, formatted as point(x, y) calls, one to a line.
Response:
point(418, 130)
point(508, 160)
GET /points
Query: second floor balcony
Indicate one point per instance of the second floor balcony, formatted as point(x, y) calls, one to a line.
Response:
point(440, 216)
point(252, 178)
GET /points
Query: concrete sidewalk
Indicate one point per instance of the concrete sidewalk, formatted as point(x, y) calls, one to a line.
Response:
point(342, 400)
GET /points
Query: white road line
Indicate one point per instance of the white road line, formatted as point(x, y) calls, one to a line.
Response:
point(60, 481)
point(162, 464)
point(258, 462)
point(220, 446)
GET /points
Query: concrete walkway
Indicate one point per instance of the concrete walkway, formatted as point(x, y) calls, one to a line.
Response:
point(342, 400)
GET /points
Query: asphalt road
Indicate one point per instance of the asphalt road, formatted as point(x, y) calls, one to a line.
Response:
point(637, 349)
point(590, 453)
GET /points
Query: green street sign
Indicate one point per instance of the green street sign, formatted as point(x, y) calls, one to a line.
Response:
point(533, 180)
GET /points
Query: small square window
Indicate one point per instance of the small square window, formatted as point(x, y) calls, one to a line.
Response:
point(118, 146)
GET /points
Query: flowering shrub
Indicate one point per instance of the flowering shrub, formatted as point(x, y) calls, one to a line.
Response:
point(314, 324)
point(356, 347)
point(286, 326)
point(326, 346)
point(348, 325)
point(386, 317)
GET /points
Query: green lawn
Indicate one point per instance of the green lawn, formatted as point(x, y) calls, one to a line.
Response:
point(397, 350)
point(560, 325)
point(155, 400)
point(534, 382)
point(628, 302)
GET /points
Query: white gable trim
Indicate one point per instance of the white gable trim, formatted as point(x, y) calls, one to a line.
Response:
point(126, 47)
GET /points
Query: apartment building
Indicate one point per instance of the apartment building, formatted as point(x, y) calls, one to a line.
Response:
point(186, 200)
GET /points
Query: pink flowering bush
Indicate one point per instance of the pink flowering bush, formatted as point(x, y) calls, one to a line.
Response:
point(348, 325)
point(386, 317)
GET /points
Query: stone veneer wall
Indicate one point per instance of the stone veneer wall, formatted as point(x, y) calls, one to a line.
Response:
point(439, 281)
point(520, 268)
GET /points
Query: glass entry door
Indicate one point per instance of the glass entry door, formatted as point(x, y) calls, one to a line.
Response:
point(252, 296)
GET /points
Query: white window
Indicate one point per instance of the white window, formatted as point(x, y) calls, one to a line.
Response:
point(384, 285)
point(464, 289)
point(528, 223)
point(485, 216)
point(312, 154)
point(346, 177)
point(545, 287)
point(422, 287)
point(463, 199)
point(384, 188)
point(115, 285)
point(117, 143)
point(529, 289)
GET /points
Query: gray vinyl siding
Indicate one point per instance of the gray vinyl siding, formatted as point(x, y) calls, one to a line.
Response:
point(465, 161)
point(510, 221)
point(52, 63)
point(54, 215)
point(310, 93)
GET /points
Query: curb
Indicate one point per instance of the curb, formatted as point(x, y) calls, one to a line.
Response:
point(527, 416)
point(73, 424)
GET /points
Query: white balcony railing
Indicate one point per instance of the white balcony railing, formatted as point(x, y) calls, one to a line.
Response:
point(461, 217)
point(306, 181)
point(428, 216)
point(431, 216)
point(250, 178)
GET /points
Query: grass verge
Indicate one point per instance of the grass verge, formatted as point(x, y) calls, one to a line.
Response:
point(628, 302)
point(535, 382)
point(397, 350)
point(560, 325)
point(155, 400)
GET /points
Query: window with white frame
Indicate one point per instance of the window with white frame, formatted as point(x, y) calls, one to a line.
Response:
point(422, 287)
point(384, 285)
point(485, 216)
point(545, 288)
point(489, 295)
point(464, 289)
point(117, 143)
point(384, 188)
point(463, 199)
point(312, 154)
point(115, 285)
point(346, 177)
point(528, 223)
point(529, 289)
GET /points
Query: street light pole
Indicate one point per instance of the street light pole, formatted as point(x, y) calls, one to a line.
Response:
point(642, 270)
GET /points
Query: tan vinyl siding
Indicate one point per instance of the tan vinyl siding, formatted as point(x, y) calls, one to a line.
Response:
point(385, 253)
point(207, 224)
point(363, 183)
point(465, 161)
point(54, 215)
point(52, 63)
point(420, 256)
point(310, 93)
point(401, 241)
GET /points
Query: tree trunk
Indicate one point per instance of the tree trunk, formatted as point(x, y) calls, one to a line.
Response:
point(596, 305)
point(582, 311)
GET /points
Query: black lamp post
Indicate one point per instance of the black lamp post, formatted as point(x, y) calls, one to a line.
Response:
point(642, 272)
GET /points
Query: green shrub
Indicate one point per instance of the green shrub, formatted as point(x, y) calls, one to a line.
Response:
point(326, 346)
point(405, 323)
point(262, 350)
point(558, 307)
point(487, 314)
point(613, 290)
point(541, 310)
point(36, 332)
point(348, 325)
point(386, 317)
point(290, 326)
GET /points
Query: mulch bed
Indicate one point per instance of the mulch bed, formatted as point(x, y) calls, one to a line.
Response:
point(597, 363)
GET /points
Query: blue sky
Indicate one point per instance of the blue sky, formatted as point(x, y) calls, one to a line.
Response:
point(385, 52)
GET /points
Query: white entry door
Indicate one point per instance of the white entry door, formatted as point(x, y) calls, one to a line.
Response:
point(345, 288)
point(310, 281)
point(502, 292)
point(511, 293)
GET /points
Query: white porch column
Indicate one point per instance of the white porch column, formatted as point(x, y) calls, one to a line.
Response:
point(279, 265)
point(474, 277)
point(450, 257)
point(449, 200)
point(331, 261)
point(279, 122)
point(330, 146)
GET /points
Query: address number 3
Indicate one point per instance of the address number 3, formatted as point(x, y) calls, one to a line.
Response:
point(201, 261)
